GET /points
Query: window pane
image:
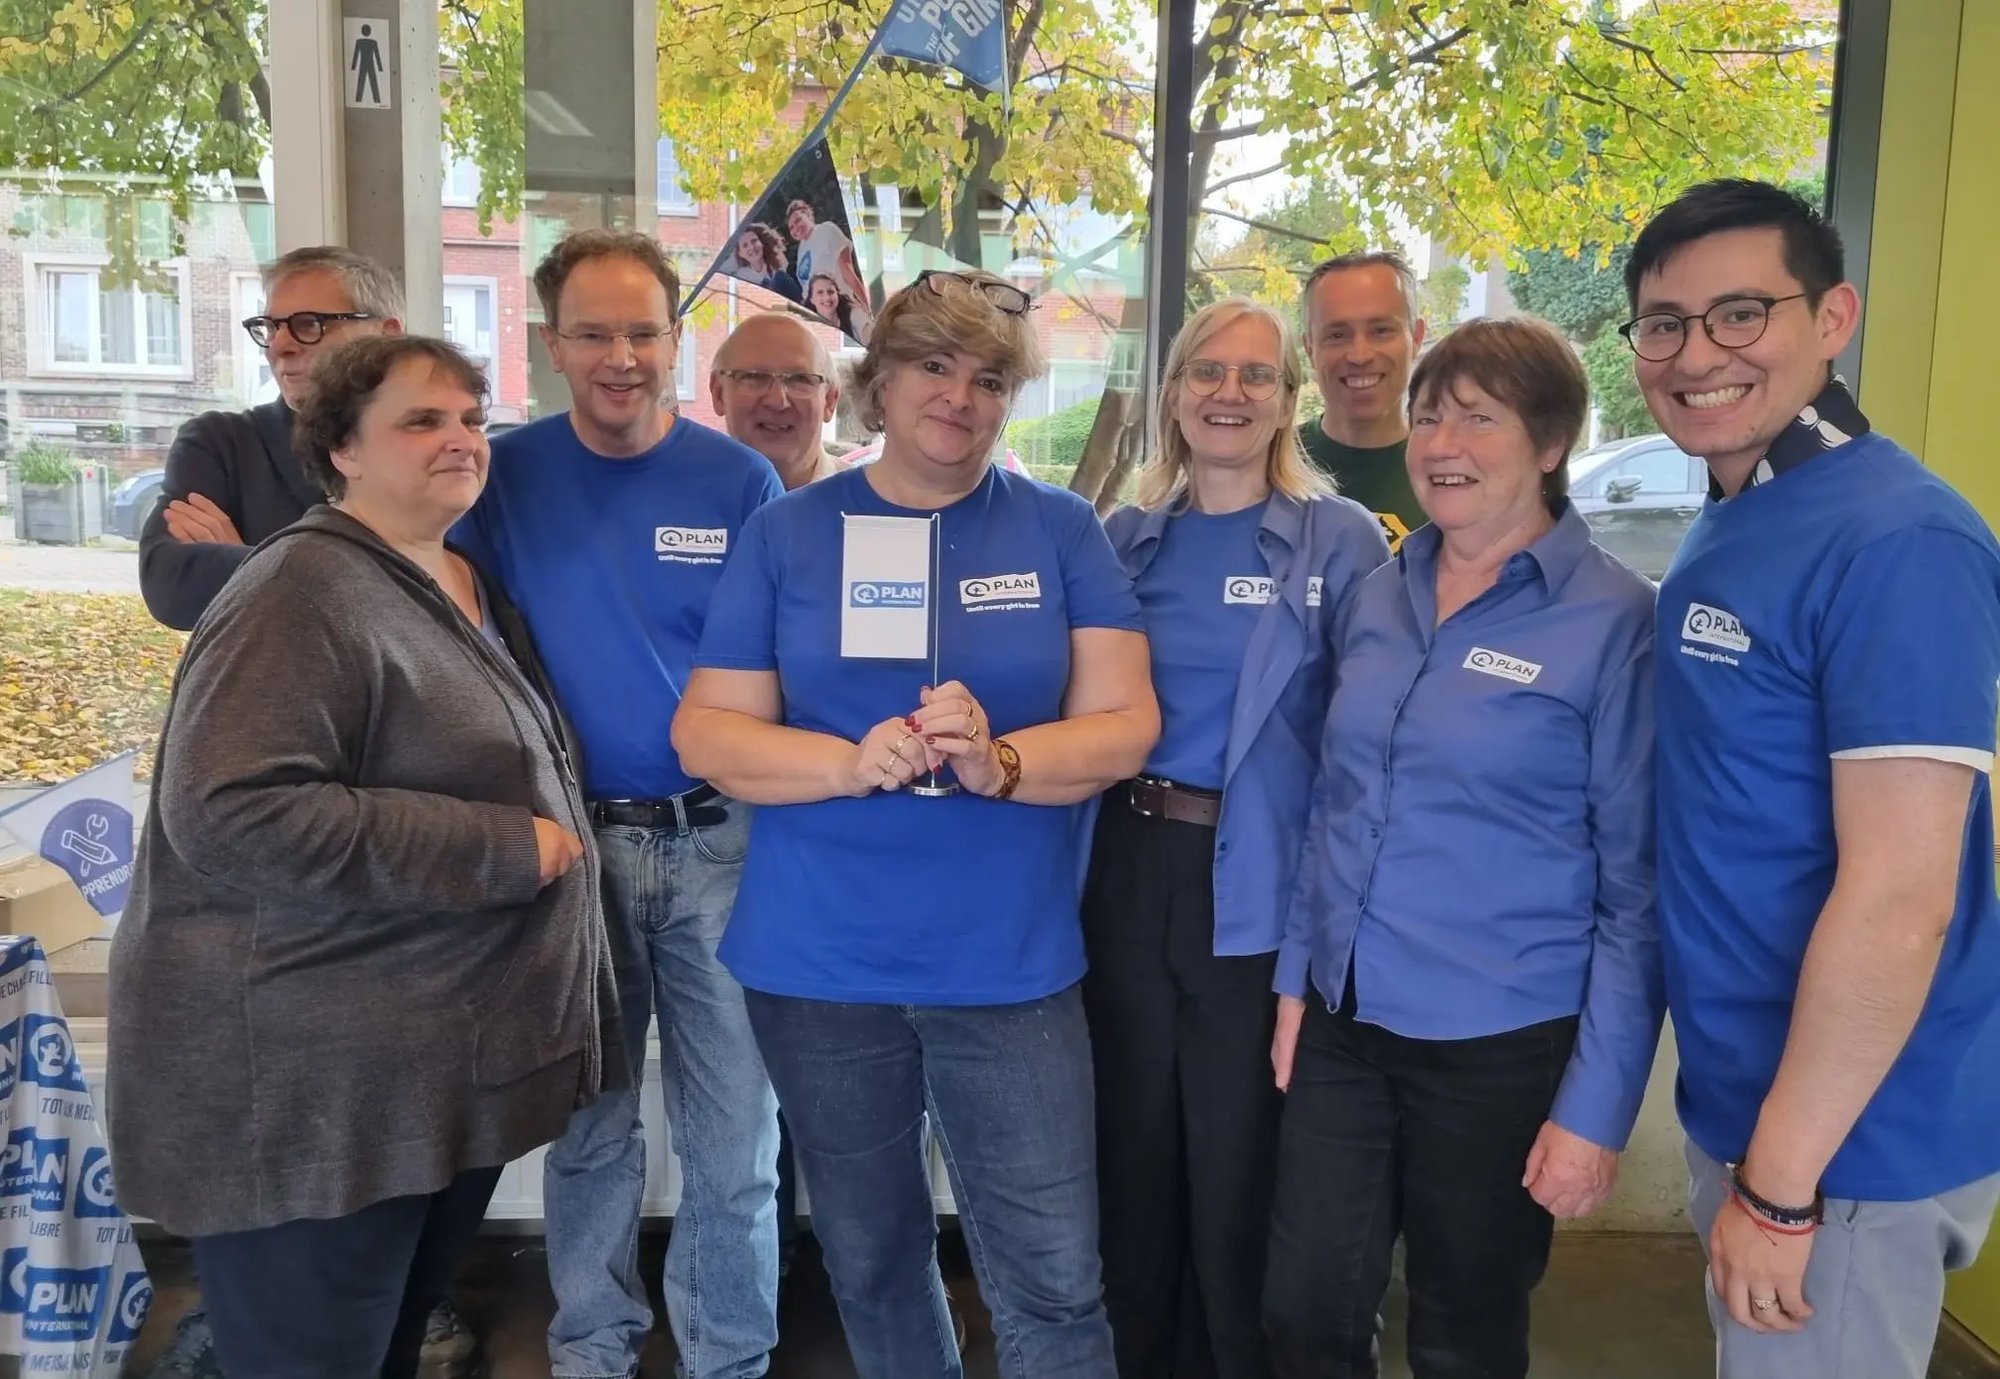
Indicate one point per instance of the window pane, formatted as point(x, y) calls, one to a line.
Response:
point(163, 329)
point(117, 339)
point(68, 314)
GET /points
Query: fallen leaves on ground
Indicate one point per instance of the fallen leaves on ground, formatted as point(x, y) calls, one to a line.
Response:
point(83, 677)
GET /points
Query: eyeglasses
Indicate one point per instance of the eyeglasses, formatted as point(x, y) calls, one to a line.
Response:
point(1736, 323)
point(307, 327)
point(799, 387)
point(642, 339)
point(1002, 296)
point(1204, 377)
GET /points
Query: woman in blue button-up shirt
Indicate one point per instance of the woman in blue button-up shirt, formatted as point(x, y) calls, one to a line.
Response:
point(1241, 556)
point(1474, 912)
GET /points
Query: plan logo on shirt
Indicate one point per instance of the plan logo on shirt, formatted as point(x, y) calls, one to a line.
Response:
point(1000, 593)
point(691, 545)
point(1315, 591)
point(1499, 663)
point(1249, 589)
point(885, 593)
point(1713, 627)
point(47, 1055)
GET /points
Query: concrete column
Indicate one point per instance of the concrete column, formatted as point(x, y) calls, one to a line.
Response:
point(394, 167)
point(306, 110)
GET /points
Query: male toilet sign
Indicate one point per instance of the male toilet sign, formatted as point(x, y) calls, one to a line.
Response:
point(369, 43)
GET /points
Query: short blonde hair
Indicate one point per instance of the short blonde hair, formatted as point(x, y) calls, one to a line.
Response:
point(921, 321)
point(1163, 483)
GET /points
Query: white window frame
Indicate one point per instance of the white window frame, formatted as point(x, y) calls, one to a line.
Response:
point(41, 333)
point(674, 199)
point(247, 363)
point(492, 286)
point(685, 379)
point(447, 195)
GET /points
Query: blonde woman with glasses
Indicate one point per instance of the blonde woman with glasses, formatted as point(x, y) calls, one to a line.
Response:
point(1244, 561)
point(912, 959)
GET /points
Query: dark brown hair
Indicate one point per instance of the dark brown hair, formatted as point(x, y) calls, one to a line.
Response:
point(1521, 361)
point(343, 383)
point(584, 245)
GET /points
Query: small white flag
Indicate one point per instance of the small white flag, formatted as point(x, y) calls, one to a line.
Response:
point(885, 588)
point(84, 826)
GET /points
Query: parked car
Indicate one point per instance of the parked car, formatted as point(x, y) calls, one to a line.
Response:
point(132, 502)
point(1639, 495)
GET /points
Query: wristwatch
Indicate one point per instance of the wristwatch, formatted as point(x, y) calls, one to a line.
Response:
point(1010, 765)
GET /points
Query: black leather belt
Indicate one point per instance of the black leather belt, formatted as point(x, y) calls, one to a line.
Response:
point(694, 808)
point(1162, 799)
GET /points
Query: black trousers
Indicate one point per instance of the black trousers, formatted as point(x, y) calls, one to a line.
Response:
point(1384, 1134)
point(345, 1298)
point(1187, 1113)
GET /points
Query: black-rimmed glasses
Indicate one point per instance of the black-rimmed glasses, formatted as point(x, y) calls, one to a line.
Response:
point(1002, 296)
point(307, 327)
point(799, 387)
point(1734, 323)
point(1204, 378)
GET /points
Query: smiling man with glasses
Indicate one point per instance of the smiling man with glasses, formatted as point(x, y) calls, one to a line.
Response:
point(774, 387)
point(1829, 642)
point(232, 478)
point(608, 525)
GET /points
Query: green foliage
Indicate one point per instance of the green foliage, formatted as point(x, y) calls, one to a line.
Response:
point(39, 462)
point(1441, 296)
point(1583, 293)
point(1614, 388)
point(1055, 441)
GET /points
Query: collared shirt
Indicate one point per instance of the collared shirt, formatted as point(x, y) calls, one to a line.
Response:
point(1848, 606)
point(1308, 561)
point(1481, 841)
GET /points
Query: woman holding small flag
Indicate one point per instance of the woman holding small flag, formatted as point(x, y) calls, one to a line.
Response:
point(1244, 562)
point(908, 957)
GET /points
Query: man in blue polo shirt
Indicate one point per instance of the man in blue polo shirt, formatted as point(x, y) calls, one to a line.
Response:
point(1829, 643)
point(608, 525)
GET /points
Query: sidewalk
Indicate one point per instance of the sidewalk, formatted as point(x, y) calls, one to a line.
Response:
point(70, 569)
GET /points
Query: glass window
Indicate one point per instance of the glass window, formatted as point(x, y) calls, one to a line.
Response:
point(90, 323)
point(674, 197)
point(461, 181)
point(468, 316)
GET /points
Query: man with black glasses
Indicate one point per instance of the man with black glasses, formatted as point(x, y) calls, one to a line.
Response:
point(774, 387)
point(232, 478)
point(1829, 642)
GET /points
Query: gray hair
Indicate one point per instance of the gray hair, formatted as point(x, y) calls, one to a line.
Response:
point(369, 286)
point(1374, 258)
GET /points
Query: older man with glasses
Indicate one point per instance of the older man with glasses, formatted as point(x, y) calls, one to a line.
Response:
point(232, 478)
point(774, 387)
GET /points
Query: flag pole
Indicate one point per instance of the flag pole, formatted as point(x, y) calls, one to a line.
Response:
point(818, 132)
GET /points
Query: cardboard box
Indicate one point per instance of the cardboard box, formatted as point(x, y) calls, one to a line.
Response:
point(37, 897)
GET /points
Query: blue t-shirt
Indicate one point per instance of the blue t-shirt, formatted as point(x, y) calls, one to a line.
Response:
point(613, 563)
point(1846, 606)
point(891, 897)
point(1201, 595)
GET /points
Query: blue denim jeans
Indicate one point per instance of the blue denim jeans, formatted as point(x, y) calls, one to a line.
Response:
point(667, 896)
point(1007, 1091)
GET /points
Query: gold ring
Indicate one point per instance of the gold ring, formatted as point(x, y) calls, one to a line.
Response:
point(1763, 1304)
point(974, 736)
point(897, 750)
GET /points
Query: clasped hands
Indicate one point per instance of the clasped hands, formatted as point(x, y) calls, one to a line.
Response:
point(947, 727)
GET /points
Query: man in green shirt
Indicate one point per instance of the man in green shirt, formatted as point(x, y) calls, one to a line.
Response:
point(1362, 332)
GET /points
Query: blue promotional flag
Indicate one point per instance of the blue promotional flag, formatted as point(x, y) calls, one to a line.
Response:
point(966, 35)
point(84, 826)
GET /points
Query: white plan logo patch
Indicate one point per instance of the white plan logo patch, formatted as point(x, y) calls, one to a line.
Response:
point(1249, 589)
point(1315, 591)
point(1499, 663)
point(1714, 626)
point(997, 592)
point(696, 545)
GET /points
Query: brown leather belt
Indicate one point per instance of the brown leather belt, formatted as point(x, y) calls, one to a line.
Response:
point(1162, 799)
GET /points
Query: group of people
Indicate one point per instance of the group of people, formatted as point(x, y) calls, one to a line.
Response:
point(1317, 872)
point(819, 270)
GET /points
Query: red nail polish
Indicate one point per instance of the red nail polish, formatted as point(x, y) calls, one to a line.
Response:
point(910, 722)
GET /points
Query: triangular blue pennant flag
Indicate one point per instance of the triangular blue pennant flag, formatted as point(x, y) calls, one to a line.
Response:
point(797, 242)
point(969, 36)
